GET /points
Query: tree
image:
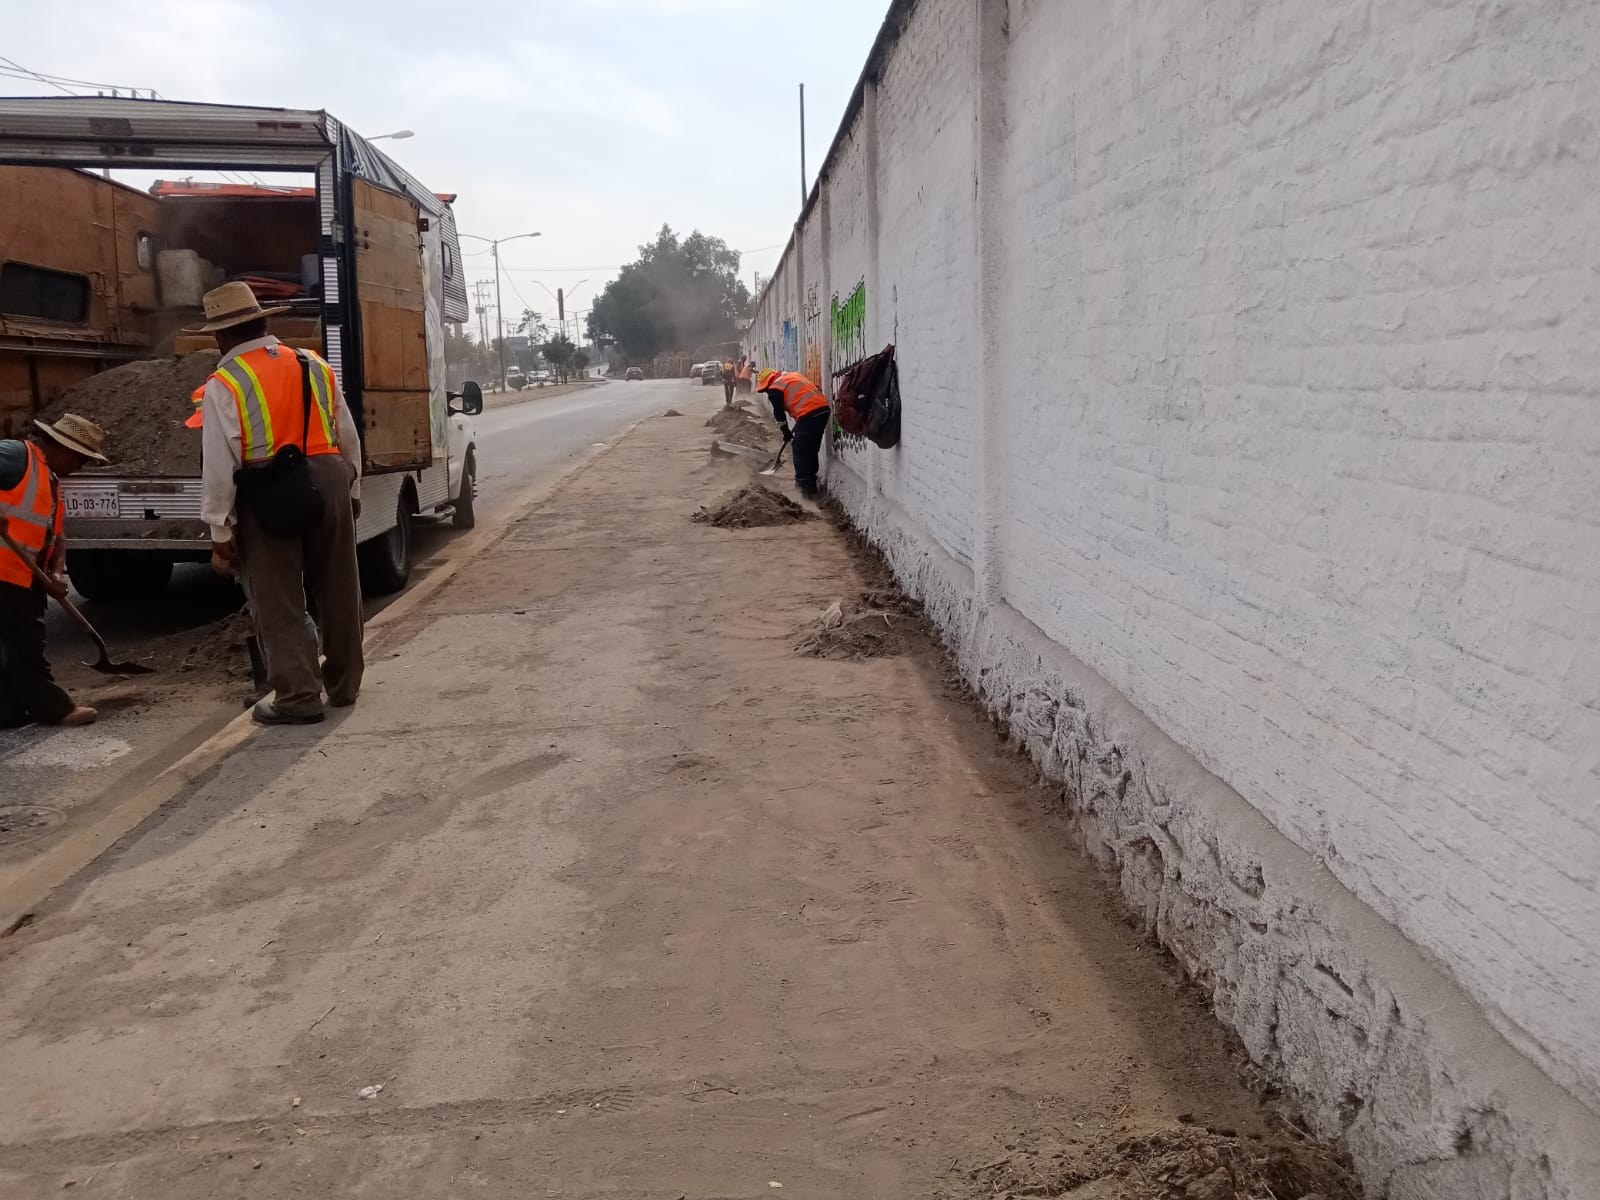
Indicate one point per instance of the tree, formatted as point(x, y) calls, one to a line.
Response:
point(533, 325)
point(678, 295)
point(558, 352)
point(580, 361)
point(465, 358)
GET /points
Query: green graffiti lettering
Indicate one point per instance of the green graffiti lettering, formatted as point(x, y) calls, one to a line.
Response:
point(850, 326)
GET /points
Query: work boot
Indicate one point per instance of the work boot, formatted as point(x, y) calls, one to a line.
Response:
point(268, 713)
point(81, 714)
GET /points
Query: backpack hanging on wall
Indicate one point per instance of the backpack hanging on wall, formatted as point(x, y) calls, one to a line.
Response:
point(866, 399)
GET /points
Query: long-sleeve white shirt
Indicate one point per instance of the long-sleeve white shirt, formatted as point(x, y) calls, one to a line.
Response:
point(223, 440)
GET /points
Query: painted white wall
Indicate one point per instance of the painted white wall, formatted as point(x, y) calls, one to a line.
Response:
point(1294, 416)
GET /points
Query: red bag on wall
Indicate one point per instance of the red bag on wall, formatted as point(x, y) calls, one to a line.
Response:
point(866, 398)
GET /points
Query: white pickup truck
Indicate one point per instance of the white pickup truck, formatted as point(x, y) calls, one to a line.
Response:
point(381, 268)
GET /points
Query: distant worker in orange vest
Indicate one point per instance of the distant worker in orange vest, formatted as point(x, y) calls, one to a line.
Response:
point(264, 398)
point(746, 366)
point(727, 382)
point(31, 516)
point(793, 395)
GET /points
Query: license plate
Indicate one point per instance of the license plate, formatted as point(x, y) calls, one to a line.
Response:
point(92, 502)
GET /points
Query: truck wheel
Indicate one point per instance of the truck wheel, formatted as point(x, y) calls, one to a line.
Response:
point(119, 576)
point(465, 513)
point(385, 561)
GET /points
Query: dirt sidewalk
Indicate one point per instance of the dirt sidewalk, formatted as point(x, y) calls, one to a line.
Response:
point(615, 894)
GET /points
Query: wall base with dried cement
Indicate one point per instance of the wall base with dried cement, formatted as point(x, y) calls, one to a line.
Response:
point(1376, 1045)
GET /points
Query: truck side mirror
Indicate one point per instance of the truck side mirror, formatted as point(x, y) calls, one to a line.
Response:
point(471, 398)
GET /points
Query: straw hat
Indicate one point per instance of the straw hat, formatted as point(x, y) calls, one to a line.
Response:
point(233, 304)
point(78, 434)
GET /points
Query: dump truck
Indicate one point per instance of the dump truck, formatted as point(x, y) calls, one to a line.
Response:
point(99, 281)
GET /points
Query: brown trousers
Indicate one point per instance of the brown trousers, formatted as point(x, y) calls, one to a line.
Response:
point(278, 572)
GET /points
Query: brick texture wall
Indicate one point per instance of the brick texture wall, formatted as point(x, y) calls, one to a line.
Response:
point(1294, 390)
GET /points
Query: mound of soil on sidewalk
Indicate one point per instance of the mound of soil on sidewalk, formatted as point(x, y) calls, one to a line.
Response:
point(879, 623)
point(752, 506)
point(142, 407)
point(742, 427)
point(1169, 1163)
point(672, 412)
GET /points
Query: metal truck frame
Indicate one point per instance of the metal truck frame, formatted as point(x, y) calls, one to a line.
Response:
point(418, 447)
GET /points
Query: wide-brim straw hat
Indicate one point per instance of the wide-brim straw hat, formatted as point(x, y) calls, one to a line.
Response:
point(78, 434)
point(232, 304)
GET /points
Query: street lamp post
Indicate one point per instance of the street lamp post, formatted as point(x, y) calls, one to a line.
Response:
point(499, 310)
point(397, 135)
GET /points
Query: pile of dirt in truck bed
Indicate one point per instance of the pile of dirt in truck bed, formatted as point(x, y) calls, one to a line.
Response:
point(1175, 1162)
point(752, 506)
point(742, 427)
point(878, 623)
point(142, 407)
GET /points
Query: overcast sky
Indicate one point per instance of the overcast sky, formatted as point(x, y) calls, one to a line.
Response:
point(592, 121)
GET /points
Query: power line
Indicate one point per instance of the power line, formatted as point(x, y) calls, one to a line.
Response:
point(57, 81)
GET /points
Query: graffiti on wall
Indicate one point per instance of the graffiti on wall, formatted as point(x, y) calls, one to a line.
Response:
point(789, 356)
point(849, 321)
point(813, 334)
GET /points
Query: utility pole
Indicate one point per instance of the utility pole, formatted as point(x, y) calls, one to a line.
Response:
point(480, 293)
point(802, 146)
point(499, 310)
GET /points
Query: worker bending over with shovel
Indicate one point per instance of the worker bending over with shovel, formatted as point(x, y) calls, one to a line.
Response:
point(281, 465)
point(793, 395)
point(33, 554)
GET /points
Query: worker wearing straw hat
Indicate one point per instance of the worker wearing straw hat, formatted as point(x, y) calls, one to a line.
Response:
point(31, 519)
point(267, 405)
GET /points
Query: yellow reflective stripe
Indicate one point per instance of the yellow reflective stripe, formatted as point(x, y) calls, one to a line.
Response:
point(259, 394)
point(322, 393)
point(250, 431)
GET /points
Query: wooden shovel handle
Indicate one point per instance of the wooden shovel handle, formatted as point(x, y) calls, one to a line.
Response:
point(39, 574)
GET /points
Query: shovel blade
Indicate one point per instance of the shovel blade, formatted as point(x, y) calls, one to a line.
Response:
point(105, 667)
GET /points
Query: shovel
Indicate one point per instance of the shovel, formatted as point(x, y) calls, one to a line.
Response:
point(773, 469)
point(103, 664)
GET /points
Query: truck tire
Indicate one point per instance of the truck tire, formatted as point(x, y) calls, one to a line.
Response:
point(119, 576)
point(465, 513)
point(385, 561)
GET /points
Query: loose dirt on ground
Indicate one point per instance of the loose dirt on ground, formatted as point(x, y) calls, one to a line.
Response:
point(672, 412)
point(876, 623)
point(739, 425)
point(1164, 1162)
point(750, 507)
point(142, 406)
point(631, 875)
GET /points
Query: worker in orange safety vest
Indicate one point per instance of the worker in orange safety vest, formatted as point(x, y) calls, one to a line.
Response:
point(792, 395)
point(31, 516)
point(264, 398)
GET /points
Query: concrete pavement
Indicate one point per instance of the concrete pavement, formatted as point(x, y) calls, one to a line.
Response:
point(149, 722)
point(613, 895)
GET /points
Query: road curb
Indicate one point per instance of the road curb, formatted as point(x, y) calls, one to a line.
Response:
point(26, 893)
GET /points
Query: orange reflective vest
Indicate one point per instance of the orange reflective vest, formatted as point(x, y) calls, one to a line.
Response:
point(801, 397)
point(727, 368)
point(32, 515)
point(265, 384)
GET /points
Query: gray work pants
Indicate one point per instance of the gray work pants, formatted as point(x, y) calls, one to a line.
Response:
point(277, 574)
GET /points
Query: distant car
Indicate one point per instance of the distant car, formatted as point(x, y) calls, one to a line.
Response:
point(694, 371)
point(634, 373)
point(711, 373)
point(515, 379)
point(539, 377)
